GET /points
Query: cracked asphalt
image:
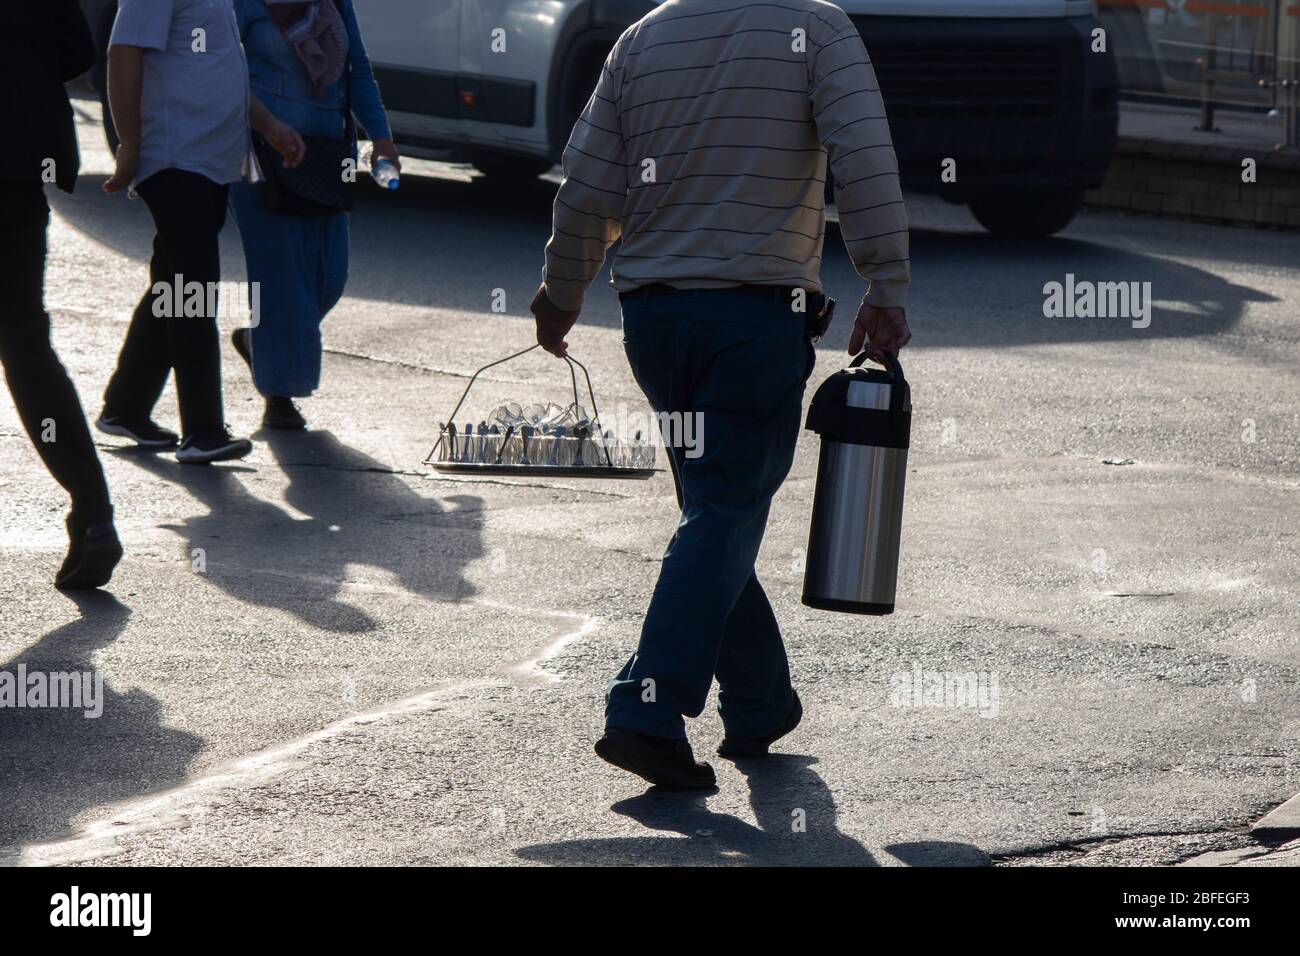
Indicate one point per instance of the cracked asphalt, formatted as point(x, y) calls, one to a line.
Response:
point(373, 665)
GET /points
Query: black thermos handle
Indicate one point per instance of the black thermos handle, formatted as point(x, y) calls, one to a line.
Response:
point(891, 363)
point(895, 369)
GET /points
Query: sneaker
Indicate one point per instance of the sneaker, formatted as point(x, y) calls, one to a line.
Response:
point(142, 430)
point(283, 415)
point(203, 449)
point(242, 340)
point(92, 556)
point(739, 748)
point(659, 760)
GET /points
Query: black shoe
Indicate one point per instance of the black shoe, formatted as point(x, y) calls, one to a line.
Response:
point(661, 761)
point(92, 556)
point(142, 430)
point(242, 340)
point(738, 748)
point(283, 415)
point(206, 448)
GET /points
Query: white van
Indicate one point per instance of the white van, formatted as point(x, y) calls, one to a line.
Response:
point(1010, 89)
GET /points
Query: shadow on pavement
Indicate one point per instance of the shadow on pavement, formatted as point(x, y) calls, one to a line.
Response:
point(358, 513)
point(1002, 297)
point(796, 826)
point(57, 763)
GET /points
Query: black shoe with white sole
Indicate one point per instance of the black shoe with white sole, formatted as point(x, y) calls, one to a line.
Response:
point(204, 449)
point(142, 430)
point(659, 760)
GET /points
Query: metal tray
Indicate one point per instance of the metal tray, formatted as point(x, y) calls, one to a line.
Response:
point(447, 464)
point(534, 471)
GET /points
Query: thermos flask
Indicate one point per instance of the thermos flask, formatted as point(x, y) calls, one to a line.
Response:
point(864, 418)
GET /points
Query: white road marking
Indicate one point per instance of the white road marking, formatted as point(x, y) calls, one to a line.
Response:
point(180, 806)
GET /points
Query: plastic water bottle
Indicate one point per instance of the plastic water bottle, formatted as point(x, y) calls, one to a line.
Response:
point(385, 173)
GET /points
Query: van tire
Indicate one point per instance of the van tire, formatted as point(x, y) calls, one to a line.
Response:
point(1027, 213)
point(584, 59)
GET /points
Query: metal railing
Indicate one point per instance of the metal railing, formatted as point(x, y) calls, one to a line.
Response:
point(1211, 54)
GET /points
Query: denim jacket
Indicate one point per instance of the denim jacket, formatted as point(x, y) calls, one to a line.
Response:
point(278, 78)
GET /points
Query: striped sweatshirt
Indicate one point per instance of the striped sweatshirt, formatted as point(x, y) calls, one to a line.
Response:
point(705, 147)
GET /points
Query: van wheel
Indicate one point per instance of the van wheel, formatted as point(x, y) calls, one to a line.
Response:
point(1027, 213)
point(571, 90)
point(510, 169)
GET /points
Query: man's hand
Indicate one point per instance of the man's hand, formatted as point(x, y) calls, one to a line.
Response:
point(553, 324)
point(880, 331)
point(284, 139)
point(128, 164)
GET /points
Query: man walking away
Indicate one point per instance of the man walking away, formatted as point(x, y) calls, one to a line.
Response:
point(42, 46)
point(178, 89)
point(705, 148)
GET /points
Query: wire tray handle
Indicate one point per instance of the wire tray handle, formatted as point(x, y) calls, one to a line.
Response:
point(573, 375)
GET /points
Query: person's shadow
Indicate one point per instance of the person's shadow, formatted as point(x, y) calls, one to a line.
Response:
point(358, 512)
point(796, 826)
point(57, 762)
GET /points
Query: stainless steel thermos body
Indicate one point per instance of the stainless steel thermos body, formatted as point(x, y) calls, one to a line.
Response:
point(863, 417)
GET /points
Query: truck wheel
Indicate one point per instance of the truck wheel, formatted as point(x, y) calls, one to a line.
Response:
point(1027, 212)
point(510, 169)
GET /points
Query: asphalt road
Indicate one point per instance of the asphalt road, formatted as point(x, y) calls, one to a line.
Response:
point(376, 666)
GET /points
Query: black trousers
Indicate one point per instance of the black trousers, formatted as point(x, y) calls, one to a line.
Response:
point(46, 398)
point(188, 212)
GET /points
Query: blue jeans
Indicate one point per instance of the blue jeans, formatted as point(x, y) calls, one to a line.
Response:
point(301, 266)
point(737, 361)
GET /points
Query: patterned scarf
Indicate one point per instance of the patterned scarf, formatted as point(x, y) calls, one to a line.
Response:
point(316, 32)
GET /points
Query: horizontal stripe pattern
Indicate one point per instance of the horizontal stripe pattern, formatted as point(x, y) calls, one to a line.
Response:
point(705, 148)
